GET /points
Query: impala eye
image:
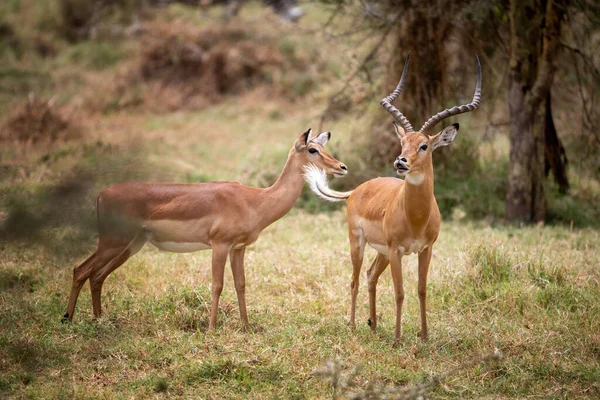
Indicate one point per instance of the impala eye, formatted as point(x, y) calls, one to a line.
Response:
point(423, 148)
point(312, 150)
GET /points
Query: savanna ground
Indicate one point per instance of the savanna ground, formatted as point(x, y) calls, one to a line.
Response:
point(530, 294)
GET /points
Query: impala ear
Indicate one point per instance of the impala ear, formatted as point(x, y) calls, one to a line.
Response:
point(302, 140)
point(445, 137)
point(322, 138)
point(400, 132)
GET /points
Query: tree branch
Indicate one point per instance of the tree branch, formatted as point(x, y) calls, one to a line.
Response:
point(362, 65)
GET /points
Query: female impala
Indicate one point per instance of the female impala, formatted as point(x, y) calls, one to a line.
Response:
point(397, 217)
point(223, 216)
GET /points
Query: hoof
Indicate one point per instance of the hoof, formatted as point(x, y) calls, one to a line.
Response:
point(369, 322)
point(65, 318)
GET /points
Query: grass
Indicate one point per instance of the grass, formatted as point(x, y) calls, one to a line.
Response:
point(534, 299)
point(531, 293)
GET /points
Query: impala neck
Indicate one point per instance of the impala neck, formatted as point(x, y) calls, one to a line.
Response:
point(278, 200)
point(418, 197)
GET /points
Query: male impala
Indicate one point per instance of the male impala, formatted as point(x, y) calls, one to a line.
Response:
point(397, 217)
point(223, 216)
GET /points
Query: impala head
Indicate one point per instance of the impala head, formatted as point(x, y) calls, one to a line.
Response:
point(417, 146)
point(311, 151)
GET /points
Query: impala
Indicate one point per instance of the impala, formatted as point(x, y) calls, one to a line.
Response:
point(396, 217)
point(223, 216)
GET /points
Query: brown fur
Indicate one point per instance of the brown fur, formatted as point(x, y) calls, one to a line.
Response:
point(226, 216)
point(398, 217)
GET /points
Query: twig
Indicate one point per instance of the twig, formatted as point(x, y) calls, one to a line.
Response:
point(323, 27)
point(362, 65)
point(346, 384)
point(584, 56)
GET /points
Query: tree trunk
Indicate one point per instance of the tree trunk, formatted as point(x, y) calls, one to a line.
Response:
point(556, 157)
point(535, 35)
point(418, 32)
point(519, 199)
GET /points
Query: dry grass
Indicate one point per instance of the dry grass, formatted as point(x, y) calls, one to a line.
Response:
point(153, 335)
point(529, 292)
point(38, 122)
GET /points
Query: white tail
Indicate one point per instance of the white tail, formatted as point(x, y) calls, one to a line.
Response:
point(317, 180)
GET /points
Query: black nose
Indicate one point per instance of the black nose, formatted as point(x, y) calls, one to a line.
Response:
point(401, 163)
point(343, 167)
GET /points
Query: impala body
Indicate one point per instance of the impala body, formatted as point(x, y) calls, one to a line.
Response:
point(396, 217)
point(223, 216)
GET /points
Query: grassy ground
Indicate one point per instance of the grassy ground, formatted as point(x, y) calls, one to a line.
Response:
point(530, 293)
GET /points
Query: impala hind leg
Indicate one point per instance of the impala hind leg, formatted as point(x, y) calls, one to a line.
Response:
point(236, 257)
point(80, 274)
point(424, 260)
point(357, 250)
point(379, 265)
point(396, 266)
point(219, 258)
point(108, 260)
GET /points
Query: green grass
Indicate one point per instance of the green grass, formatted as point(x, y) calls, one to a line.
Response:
point(535, 301)
point(93, 55)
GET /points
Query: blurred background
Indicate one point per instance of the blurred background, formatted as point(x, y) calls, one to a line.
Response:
point(94, 92)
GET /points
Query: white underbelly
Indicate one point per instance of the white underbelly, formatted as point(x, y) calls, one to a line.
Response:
point(382, 248)
point(415, 247)
point(180, 247)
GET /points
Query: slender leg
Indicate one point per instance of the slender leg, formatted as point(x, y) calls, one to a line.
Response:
point(219, 258)
point(396, 263)
point(111, 259)
point(80, 274)
point(357, 249)
point(379, 265)
point(236, 257)
point(108, 261)
point(424, 260)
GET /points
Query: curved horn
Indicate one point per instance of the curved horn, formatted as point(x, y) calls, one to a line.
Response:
point(387, 102)
point(457, 109)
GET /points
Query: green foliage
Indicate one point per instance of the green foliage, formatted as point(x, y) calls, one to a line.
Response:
point(19, 81)
point(302, 84)
point(95, 55)
point(309, 202)
point(578, 208)
point(464, 181)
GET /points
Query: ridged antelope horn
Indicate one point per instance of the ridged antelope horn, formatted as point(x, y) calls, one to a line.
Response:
point(456, 109)
point(387, 102)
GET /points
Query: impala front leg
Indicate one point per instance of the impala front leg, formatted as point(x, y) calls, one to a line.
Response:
point(379, 265)
point(357, 249)
point(424, 260)
point(236, 257)
point(219, 258)
point(396, 265)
